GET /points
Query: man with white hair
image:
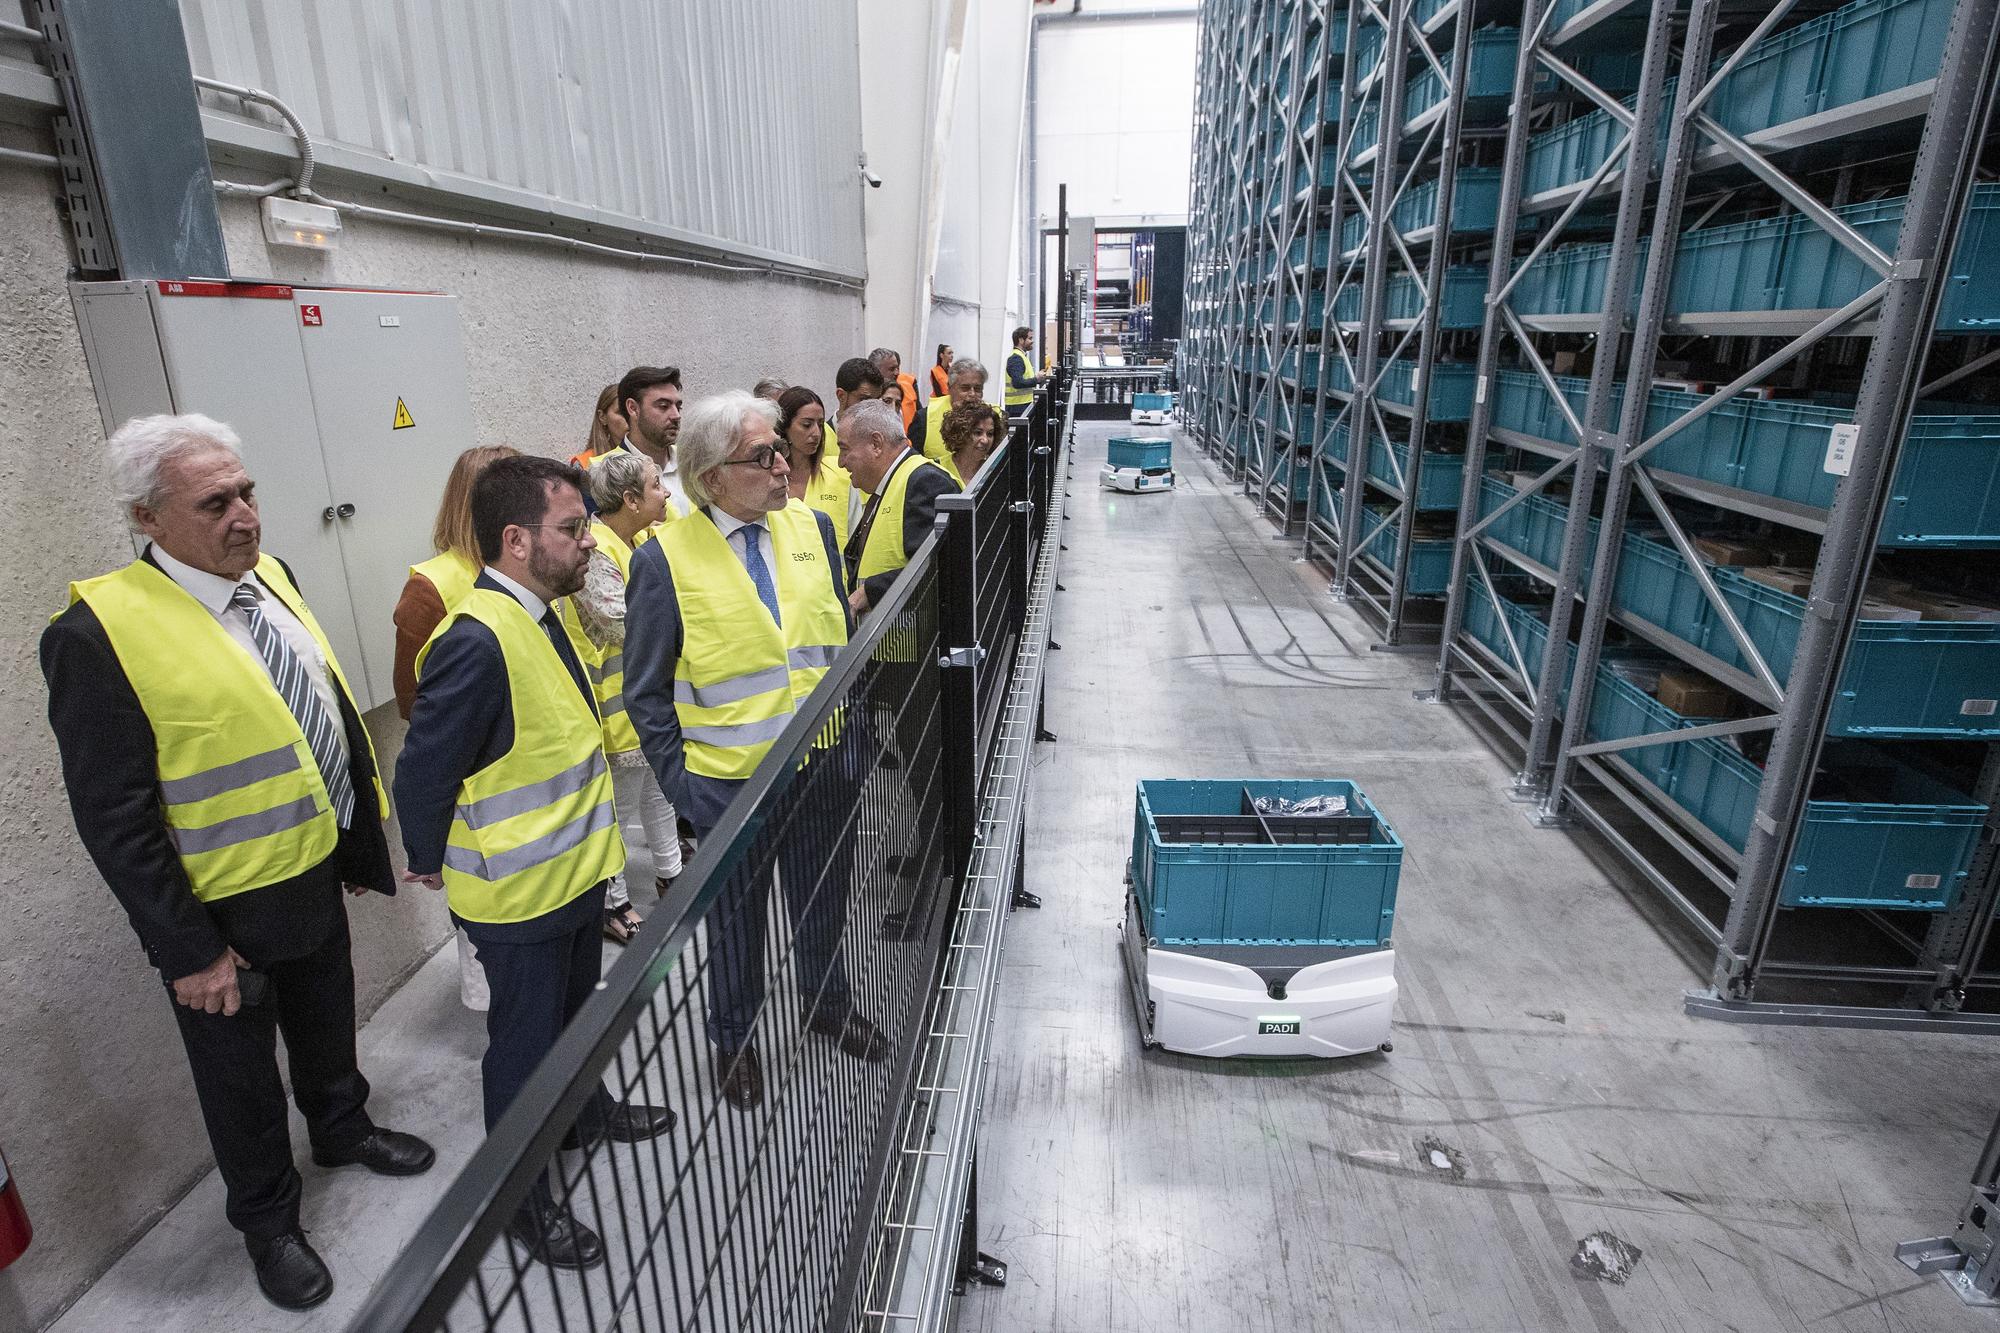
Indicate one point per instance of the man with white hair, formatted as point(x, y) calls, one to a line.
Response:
point(732, 616)
point(224, 784)
point(903, 490)
point(967, 383)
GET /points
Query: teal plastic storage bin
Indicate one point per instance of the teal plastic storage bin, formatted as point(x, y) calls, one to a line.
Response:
point(1438, 480)
point(1475, 205)
point(1450, 388)
point(1341, 895)
point(1911, 850)
point(1429, 573)
point(1489, 73)
point(1461, 306)
point(1142, 452)
point(1856, 52)
point(1152, 402)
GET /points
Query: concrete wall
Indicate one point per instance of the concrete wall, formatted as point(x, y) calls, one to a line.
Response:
point(97, 1114)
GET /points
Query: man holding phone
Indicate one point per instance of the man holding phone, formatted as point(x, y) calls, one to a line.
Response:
point(224, 784)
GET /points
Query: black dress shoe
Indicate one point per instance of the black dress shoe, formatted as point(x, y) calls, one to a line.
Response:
point(627, 1122)
point(385, 1152)
point(550, 1233)
point(742, 1083)
point(857, 1036)
point(289, 1273)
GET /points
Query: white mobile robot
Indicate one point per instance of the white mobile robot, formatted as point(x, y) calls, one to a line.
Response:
point(1255, 934)
point(1137, 464)
point(1152, 409)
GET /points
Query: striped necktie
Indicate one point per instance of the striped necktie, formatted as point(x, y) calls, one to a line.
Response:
point(288, 673)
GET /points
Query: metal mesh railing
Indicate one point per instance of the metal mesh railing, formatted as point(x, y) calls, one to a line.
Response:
point(827, 890)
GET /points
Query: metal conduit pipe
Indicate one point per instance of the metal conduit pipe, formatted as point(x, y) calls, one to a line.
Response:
point(302, 185)
point(29, 157)
point(237, 189)
point(21, 32)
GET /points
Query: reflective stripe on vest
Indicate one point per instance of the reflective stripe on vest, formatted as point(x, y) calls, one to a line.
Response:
point(243, 798)
point(1015, 397)
point(452, 575)
point(605, 667)
point(740, 678)
point(535, 828)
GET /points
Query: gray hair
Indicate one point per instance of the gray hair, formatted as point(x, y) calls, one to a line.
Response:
point(137, 451)
point(965, 365)
point(616, 475)
point(871, 416)
point(881, 355)
point(711, 428)
point(770, 387)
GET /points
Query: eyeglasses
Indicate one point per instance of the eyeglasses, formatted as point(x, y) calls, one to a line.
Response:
point(577, 528)
point(765, 456)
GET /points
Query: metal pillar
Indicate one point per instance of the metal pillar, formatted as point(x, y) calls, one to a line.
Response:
point(1961, 110)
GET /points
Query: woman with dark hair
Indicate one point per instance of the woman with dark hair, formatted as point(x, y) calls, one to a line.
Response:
point(941, 372)
point(971, 434)
point(822, 483)
point(607, 427)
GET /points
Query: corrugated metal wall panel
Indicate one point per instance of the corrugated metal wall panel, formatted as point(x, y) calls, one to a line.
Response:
point(734, 121)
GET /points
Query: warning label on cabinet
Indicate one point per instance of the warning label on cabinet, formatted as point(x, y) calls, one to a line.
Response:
point(403, 418)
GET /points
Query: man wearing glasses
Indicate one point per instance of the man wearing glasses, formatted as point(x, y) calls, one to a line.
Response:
point(505, 800)
point(732, 616)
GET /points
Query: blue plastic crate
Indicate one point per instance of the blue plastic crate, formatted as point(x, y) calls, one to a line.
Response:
point(1450, 388)
point(1858, 51)
point(1439, 478)
point(1142, 452)
point(1152, 402)
point(1461, 306)
point(1910, 851)
point(1338, 895)
point(1475, 204)
point(1489, 73)
point(1655, 585)
point(1901, 678)
point(1429, 572)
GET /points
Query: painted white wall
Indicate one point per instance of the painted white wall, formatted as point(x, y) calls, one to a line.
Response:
point(1115, 118)
point(946, 135)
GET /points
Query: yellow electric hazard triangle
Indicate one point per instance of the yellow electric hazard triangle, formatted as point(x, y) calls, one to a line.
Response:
point(403, 417)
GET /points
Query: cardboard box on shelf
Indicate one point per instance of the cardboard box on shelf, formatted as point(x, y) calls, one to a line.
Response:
point(1876, 608)
point(1785, 578)
point(1946, 606)
point(1570, 363)
point(1692, 694)
point(1732, 551)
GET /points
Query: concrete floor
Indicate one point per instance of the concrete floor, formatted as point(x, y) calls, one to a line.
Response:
point(1764, 1174)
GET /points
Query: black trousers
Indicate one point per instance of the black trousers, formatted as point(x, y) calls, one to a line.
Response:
point(537, 986)
point(235, 1063)
point(814, 862)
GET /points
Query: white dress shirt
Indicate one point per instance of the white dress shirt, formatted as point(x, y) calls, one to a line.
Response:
point(533, 605)
point(215, 591)
point(727, 525)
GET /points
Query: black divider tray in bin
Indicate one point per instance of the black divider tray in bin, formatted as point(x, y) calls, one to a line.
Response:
point(1268, 830)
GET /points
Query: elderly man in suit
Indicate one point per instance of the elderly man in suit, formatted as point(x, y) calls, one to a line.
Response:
point(224, 784)
point(505, 802)
point(732, 617)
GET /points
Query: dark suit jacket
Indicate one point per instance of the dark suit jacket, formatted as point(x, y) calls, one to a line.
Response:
point(653, 637)
point(927, 482)
point(463, 720)
point(110, 767)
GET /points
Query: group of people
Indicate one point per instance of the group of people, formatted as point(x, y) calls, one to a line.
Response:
point(592, 663)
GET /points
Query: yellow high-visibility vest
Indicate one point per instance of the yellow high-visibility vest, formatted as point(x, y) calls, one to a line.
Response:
point(606, 666)
point(740, 676)
point(934, 410)
point(451, 574)
point(1015, 397)
point(243, 796)
point(535, 828)
point(832, 494)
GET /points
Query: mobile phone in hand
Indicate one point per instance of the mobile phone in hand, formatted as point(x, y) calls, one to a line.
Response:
point(251, 986)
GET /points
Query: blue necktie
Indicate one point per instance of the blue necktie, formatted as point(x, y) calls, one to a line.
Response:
point(288, 673)
point(760, 573)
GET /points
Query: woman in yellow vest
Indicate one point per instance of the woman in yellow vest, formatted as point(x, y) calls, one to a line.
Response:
point(971, 434)
point(631, 501)
point(439, 584)
point(822, 483)
point(434, 590)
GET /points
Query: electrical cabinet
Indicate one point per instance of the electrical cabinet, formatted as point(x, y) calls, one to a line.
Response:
point(351, 403)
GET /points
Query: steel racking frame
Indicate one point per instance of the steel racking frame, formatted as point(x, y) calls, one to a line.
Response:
point(1266, 387)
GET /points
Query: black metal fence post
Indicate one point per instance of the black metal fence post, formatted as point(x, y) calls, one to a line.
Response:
point(960, 660)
